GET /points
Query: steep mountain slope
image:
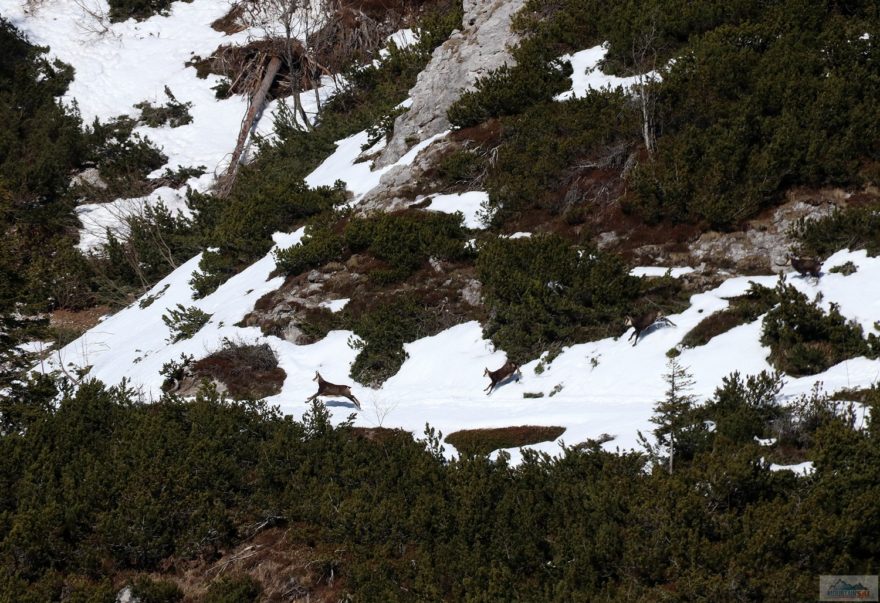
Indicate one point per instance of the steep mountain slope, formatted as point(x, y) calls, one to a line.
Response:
point(601, 387)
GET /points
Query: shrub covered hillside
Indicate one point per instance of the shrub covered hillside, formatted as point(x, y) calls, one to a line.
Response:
point(43, 147)
point(755, 97)
point(187, 484)
point(40, 143)
point(102, 490)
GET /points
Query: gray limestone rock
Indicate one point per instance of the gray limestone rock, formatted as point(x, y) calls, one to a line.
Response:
point(472, 292)
point(763, 245)
point(481, 46)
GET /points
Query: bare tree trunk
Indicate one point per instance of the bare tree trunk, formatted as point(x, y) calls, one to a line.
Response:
point(644, 54)
point(647, 104)
point(298, 106)
point(318, 98)
point(256, 105)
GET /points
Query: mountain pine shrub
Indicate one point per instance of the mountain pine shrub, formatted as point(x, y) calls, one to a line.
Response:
point(234, 589)
point(742, 309)
point(405, 241)
point(805, 340)
point(854, 227)
point(543, 291)
point(383, 327)
point(184, 322)
point(240, 228)
point(123, 158)
point(174, 113)
point(131, 488)
point(539, 147)
point(321, 243)
point(122, 10)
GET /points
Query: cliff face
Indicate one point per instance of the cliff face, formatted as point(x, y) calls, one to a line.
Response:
point(479, 47)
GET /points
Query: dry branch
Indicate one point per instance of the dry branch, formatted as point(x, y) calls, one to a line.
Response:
point(256, 105)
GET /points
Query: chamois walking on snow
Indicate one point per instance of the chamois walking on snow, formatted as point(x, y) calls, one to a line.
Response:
point(509, 368)
point(644, 322)
point(325, 388)
point(806, 266)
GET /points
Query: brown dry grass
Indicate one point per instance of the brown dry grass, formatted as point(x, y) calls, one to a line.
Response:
point(380, 434)
point(247, 371)
point(484, 441)
point(230, 23)
point(81, 320)
point(289, 565)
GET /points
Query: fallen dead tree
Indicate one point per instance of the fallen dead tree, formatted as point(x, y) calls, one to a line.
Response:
point(257, 100)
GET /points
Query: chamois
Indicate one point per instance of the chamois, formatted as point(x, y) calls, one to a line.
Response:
point(325, 388)
point(509, 368)
point(806, 266)
point(644, 322)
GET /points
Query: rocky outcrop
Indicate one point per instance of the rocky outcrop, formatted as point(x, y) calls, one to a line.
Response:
point(400, 185)
point(762, 246)
point(479, 47)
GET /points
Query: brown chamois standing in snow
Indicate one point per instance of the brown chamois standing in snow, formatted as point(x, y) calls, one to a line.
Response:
point(509, 368)
point(325, 388)
point(644, 322)
point(806, 266)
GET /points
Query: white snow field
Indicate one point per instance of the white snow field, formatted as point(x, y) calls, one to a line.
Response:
point(133, 62)
point(605, 386)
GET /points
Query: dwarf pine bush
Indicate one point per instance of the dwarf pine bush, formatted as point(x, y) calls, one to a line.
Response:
point(805, 340)
point(184, 322)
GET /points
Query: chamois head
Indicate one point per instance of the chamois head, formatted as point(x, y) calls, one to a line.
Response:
point(486, 372)
point(629, 321)
point(317, 376)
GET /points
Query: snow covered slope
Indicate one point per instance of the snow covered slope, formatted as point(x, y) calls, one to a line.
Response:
point(132, 62)
point(605, 386)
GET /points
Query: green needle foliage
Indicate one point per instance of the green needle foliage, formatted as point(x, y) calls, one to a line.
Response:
point(805, 340)
point(184, 322)
point(542, 290)
point(99, 489)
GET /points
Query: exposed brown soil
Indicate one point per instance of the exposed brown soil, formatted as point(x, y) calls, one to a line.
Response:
point(484, 441)
point(379, 434)
point(487, 133)
point(247, 371)
point(77, 321)
point(230, 23)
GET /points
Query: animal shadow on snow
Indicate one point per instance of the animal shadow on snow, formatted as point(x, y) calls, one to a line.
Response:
point(515, 377)
point(657, 325)
point(340, 404)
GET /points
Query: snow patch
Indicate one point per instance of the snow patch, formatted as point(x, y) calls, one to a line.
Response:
point(802, 469)
point(587, 76)
point(335, 305)
point(346, 165)
point(468, 204)
point(660, 271)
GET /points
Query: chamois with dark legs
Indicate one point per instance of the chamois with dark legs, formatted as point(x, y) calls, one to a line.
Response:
point(644, 322)
point(497, 376)
point(806, 266)
point(325, 388)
